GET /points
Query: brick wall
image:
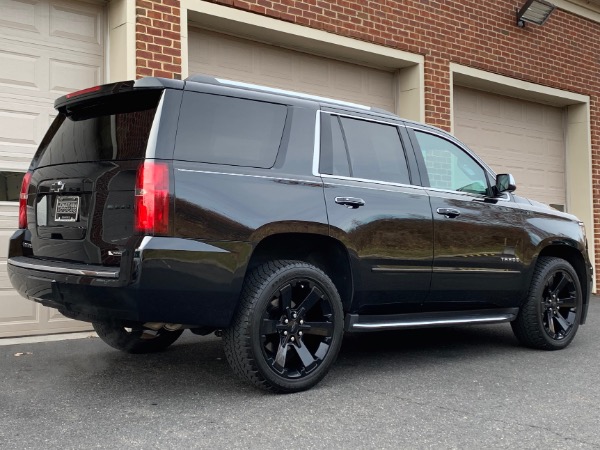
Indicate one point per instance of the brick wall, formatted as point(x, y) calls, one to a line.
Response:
point(158, 39)
point(564, 53)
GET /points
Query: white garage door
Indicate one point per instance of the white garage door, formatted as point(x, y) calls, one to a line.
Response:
point(47, 49)
point(515, 136)
point(252, 62)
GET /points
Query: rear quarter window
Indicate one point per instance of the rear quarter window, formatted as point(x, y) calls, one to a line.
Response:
point(227, 130)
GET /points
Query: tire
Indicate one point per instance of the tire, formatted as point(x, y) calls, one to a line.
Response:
point(136, 339)
point(550, 316)
point(288, 328)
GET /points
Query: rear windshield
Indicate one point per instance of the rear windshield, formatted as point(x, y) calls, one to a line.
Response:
point(115, 128)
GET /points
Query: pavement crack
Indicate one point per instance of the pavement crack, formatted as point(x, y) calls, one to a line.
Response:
point(486, 417)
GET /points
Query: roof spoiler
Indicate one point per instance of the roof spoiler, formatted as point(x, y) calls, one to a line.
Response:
point(79, 98)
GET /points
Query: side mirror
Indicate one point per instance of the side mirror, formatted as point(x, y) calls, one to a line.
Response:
point(505, 182)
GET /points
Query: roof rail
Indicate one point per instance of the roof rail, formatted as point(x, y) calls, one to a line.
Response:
point(257, 87)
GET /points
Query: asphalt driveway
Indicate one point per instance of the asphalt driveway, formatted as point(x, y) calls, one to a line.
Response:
point(468, 387)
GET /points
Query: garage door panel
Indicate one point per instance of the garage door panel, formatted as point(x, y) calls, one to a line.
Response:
point(239, 59)
point(512, 110)
point(47, 49)
point(15, 310)
point(534, 115)
point(57, 319)
point(66, 25)
point(69, 76)
point(275, 63)
point(22, 127)
point(79, 23)
point(19, 70)
point(378, 84)
point(312, 72)
point(346, 80)
point(23, 16)
point(466, 102)
point(493, 108)
point(18, 126)
point(32, 72)
point(516, 136)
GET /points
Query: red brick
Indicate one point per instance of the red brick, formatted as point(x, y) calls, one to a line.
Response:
point(143, 72)
point(171, 35)
point(172, 68)
point(163, 8)
point(163, 41)
point(162, 73)
point(161, 24)
point(155, 14)
point(162, 57)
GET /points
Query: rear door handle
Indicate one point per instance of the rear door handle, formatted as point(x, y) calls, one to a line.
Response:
point(451, 213)
point(350, 202)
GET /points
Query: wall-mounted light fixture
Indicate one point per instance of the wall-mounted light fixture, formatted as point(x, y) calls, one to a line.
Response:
point(534, 11)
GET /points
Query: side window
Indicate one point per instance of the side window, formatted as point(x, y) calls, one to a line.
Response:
point(363, 149)
point(450, 167)
point(228, 130)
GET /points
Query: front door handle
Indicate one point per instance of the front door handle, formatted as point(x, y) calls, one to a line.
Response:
point(350, 202)
point(451, 213)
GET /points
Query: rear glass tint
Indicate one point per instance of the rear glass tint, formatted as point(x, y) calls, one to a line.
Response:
point(227, 130)
point(114, 128)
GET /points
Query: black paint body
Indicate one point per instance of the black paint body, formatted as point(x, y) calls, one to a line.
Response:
point(392, 255)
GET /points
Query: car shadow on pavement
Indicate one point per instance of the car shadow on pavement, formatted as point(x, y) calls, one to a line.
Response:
point(197, 365)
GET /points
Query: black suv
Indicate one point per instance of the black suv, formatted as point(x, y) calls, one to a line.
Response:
point(280, 220)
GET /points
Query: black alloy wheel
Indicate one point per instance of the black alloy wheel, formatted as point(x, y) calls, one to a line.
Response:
point(288, 328)
point(297, 329)
point(550, 316)
point(559, 307)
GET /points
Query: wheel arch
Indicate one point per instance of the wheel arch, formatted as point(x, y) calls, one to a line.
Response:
point(577, 260)
point(324, 252)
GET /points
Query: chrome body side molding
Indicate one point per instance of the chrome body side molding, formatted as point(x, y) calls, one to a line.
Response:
point(359, 323)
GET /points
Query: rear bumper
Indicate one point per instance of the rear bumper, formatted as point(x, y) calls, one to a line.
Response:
point(164, 280)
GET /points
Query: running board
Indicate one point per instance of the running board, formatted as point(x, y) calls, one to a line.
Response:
point(356, 322)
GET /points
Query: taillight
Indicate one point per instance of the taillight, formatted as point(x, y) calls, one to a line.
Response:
point(23, 200)
point(152, 198)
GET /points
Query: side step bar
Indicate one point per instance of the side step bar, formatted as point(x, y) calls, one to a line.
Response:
point(359, 323)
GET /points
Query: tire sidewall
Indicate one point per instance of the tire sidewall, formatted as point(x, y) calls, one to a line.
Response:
point(269, 289)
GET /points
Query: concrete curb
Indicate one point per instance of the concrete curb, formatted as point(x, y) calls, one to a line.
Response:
point(46, 338)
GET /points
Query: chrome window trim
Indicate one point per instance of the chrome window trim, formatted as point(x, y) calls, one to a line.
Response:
point(367, 180)
point(317, 152)
point(212, 172)
point(472, 270)
point(317, 145)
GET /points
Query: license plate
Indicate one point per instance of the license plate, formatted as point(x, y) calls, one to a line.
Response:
point(67, 209)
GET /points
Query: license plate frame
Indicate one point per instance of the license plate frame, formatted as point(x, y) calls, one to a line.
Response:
point(67, 208)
